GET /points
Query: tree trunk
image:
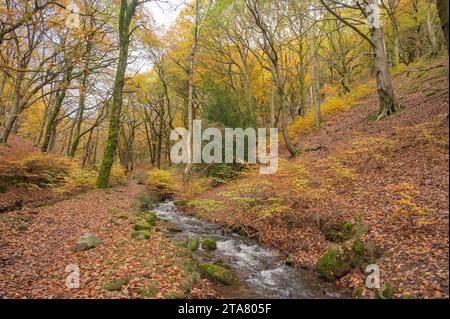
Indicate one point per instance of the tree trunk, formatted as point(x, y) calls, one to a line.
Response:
point(301, 73)
point(14, 111)
point(284, 122)
point(430, 30)
point(272, 101)
point(443, 8)
point(382, 73)
point(125, 17)
point(56, 108)
point(315, 85)
point(396, 44)
point(80, 114)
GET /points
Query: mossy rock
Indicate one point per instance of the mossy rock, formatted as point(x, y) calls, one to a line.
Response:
point(334, 264)
point(116, 285)
point(362, 254)
point(209, 244)
point(142, 226)
point(2, 189)
point(140, 235)
point(88, 241)
point(340, 232)
point(175, 229)
point(193, 244)
point(150, 218)
point(219, 273)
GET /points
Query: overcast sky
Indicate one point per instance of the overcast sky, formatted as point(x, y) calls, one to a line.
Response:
point(165, 12)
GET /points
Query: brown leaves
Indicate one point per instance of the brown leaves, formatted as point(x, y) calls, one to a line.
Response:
point(33, 262)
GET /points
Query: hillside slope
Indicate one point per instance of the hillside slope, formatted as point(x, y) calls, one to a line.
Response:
point(388, 179)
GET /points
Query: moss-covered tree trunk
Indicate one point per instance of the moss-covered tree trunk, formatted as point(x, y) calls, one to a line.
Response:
point(126, 14)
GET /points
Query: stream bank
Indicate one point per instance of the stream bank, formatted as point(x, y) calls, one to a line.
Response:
point(261, 271)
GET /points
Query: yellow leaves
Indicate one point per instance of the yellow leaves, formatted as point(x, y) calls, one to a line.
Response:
point(331, 105)
point(271, 211)
point(405, 205)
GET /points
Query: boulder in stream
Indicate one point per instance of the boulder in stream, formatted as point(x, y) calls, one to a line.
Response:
point(193, 244)
point(219, 273)
point(209, 244)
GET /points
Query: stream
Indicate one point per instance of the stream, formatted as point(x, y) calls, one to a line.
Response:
point(261, 271)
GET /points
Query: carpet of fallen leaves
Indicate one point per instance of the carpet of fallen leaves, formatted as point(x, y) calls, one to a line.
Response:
point(36, 246)
point(392, 176)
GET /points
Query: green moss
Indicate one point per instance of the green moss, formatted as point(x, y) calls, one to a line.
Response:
point(362, 254)
point(151, 218)
point(116, 285)
point(175, 229)
point(358, 293)
point(142, 226)
point(114, 212)
point(209, 244)
point(219, 273)
point(193, 244)
point(340, 232)
point(148, 292)
point(120, 243)
point(141, 234)
point(2, 189)
point(386, 292)
point(334, 264)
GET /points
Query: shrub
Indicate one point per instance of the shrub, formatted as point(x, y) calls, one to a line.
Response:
point(141, 177)
point(146, 202)
point(118, 176)
point(224, 173)
point(162, 184)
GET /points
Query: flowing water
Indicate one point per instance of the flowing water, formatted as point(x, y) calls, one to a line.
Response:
point(261, 271)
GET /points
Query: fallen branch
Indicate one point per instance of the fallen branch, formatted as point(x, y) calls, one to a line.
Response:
point(315, 149)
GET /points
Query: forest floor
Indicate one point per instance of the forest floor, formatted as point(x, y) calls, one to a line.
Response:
point(37, 244)
point(388, 177)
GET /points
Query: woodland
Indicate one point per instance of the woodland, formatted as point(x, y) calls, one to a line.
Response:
point(91, 90)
